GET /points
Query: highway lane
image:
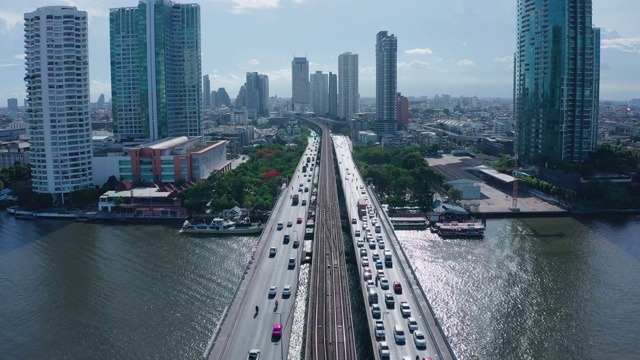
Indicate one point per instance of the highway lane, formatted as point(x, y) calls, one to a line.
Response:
point(246, 329)
point(354, 189)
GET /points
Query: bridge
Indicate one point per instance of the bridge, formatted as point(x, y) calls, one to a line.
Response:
point(329, 326)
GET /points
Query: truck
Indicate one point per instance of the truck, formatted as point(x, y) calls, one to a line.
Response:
point(362, 207)
point(388, 260)
point(295, 199)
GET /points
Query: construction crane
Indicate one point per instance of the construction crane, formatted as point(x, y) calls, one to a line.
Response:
point(514, 198)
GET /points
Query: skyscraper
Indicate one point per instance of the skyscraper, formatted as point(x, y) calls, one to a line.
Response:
point(206, 91)
point(348, 92)
point(156, 80)
point(57, 79)
point(402, 109)
point(300, 81)
point(256, 94)
point(319, 86)
point(556, 80)
point(12, 104)
point(386, 82)
point(333, 94)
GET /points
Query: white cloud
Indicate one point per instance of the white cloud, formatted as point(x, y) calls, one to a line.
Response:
point(19, 56)
point(464, 44)
point(622, 44)
point(413, 64)
point(11, 19)
point(254, 62)
point(98, 87)
point(504, 59)
point(368, 69)
point(231, 82)
point(7, 65)
point(418, 51)
point(244, 6)
point(465, 64)
point(279, 74)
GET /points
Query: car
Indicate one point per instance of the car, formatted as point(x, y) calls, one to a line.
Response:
point(301, 185)
point(379, 326)
point(381, 245)
point(286, 291)
point(412, 324)
point(299, 190)
point(280, 226)
point(375, 311)
point(254, 354)
point(372, 245)
point(277, 330)
point(360, 243)
point(273, 290)
point(357, 233)
point(304, 202)
point(405, 309)
point(367, 275)
point(398, 335)
point(384, 284)
point(397, 287)
point(286, 238)
point(354, 220)
point(363, 252)
point(383, 350)
point(365, 262)
point(296, 243)
point(289, 223)
point(379, 238)
point(370, 284)
point(379, 265)
point(388, 300)
point(419, 339)
point(375, 256)
point(308, 180)
point(366, 269)
point(272, 252)
point(292, 263)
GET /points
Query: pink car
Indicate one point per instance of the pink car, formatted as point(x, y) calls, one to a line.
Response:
point(277, 330)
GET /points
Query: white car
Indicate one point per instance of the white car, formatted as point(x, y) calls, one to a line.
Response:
point(405, 309)
point(412, 323)
point(419, 339)
point(254, 354)
point(273, 290)
point(272, 252)
point(286, 291)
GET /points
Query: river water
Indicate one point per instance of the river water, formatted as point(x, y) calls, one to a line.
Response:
point(533, 288)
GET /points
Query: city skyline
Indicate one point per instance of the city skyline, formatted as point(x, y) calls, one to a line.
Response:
point(458, 48)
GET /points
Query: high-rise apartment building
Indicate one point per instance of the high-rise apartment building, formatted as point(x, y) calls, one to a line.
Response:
point(333, 94)
point(156, 80)
point(319, 86)
point(300, 93)
point(57, 79)
point(556, 80)
point(256, 94)
point(402, 109)
point(206, 91)
point(386, 82)
point(348, 92)
point(12, 104)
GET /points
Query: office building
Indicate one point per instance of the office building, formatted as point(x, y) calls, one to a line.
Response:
point(222, 98)
point(206, 91)
point(348, 92)
point(300, 93)
point(556, 80)
point(319, 87)
point(386, 82)
point(12, 104)
point(256, 95)
point(57, 79)
point(333, 94)
point(156, 80)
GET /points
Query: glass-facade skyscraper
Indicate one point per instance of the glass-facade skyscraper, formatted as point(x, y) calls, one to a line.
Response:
point(386, 82)
point(556, 80)
point(57, 79)
point(156, 81)
point(300, 91)
point(348, 92)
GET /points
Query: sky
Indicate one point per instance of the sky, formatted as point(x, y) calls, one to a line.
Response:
point(456, 47)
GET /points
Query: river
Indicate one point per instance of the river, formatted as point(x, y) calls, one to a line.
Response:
point(533, 288)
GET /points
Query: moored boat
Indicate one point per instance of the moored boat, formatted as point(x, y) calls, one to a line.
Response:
point(456, 229)
point(220, 226)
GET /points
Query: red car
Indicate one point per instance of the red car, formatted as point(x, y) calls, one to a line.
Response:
point(299, 220)
point(397, 287)
point(277, 330)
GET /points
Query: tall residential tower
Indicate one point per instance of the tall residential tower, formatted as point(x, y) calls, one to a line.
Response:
point(348, 92)
point(300, 93)
point(319, 86)
point(556, 80)
point(386, 82)
point(57, 79)
point(156, 81)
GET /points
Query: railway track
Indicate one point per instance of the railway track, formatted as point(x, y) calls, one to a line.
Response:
point(330, 327)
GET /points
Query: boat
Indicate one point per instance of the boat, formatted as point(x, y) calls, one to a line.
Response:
point(222, 227)
point(456, 229)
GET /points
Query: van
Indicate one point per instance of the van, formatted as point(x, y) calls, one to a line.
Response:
point(399, 335)
point(373, 296)
point(292, 262)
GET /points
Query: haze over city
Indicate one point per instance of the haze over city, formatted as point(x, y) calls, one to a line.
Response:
point(444, 47)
